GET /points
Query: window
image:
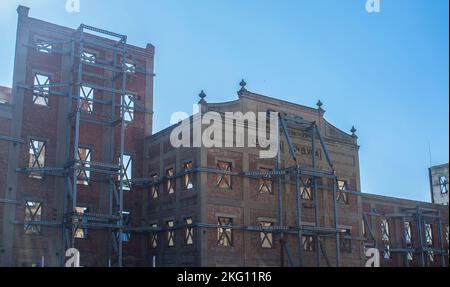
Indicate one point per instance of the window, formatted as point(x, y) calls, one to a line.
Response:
point(130, 67)
point(342, 196)
point(86, 99)
point(155, 186)
point(187, 178)
point(224, 234)
point(408, 240)
point(385, 238)
point(43, 47)
point(429, 240)
point(306, 188)
point(33, 214)
point(36, 157)
point(126, 217)
point(170, 181)
point(41, 90)
point(308, 242)
point(266, 237)
point(127, 171)
point(127, 104)
point(189, 235)
point(224, 179)
point(83, 172)
point(443, 184)
point(346, 242)
point(88, 57)
point(364, 232)
point(81, 219)
point(170, 233)
point(154, 236)
point(446, 238)
point(446, 234)
point(265, 183)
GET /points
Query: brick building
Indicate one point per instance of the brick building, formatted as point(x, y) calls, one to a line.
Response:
point(60, 161)
point(439, 183)
point(80, 167)
point(188, 187)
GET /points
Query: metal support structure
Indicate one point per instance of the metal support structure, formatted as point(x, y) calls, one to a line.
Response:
point(418, 216)
point(112, 171)
point(114, 224)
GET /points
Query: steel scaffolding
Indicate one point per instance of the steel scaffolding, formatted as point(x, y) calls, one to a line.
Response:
point(113, 174)
point(283, 174)
point(423, 245)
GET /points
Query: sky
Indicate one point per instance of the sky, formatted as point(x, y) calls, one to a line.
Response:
point(386, 73)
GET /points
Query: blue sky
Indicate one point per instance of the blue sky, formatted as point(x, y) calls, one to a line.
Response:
point(385, 73)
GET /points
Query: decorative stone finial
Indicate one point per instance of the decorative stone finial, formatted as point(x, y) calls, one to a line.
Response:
point(202, 97)
point(243, 89)
point(353, 131)
point(319, 104)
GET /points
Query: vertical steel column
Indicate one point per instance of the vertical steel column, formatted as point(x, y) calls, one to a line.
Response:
point(77, 136)
point(336, 225)
point(111, 155)
point(299, 217)
point(280, 199)
point(419, 230)
point(316, 195)
point(404, 235)
point(441, 243)
point(335, 211)
point(122, 143)
point(67, 193)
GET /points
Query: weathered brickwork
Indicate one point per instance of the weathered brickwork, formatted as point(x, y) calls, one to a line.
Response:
point(178, 197)
point(48, 123)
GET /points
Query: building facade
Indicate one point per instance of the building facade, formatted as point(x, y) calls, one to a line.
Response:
point(80, 167)
point(75, 94)
point(439, 184)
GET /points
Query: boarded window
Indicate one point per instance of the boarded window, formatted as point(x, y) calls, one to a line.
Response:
point(341, 195)
point(170, 233)
point(126, 217)
point(83, 173)
point(80, 220)
point(385, 238)
point(86, 99)
point(265, 182)
point(128, 108)
point(33, 216)
point(127, 169)
point(130, 67)
point(170, 180)
point(41, 90)
point(443, 184)
point(224, 232)
point(88, 57)
point(408, 240)
point(44, 47)
point(154, 236)
point(429, 240)
point(155, 186)
point(446, 237)
point(266, 235)
point(187, 178)
point(345, 241)
point(224, 179)
point(306, 184)
point(36, 157)
point(308, 242)
point(189, 233)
